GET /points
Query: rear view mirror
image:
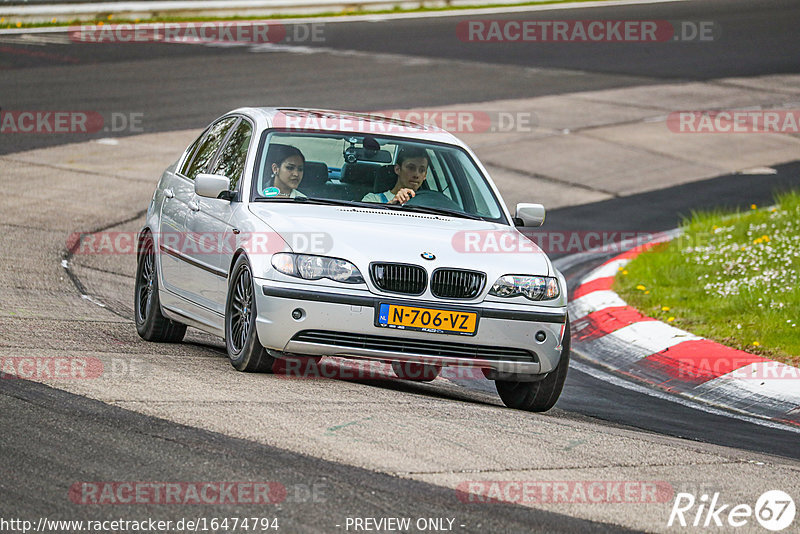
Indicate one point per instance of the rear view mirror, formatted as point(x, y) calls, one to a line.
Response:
point(529, 215)
point(212, 186)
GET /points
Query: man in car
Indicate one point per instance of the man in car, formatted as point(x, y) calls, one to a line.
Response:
point(411, 168)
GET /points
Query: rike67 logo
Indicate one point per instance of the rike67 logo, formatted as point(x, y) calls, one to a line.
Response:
point(774, 510)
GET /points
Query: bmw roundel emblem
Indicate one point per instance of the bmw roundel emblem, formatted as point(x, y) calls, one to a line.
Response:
point(428, 256)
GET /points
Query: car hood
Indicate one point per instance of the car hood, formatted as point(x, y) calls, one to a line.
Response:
point(364, 235)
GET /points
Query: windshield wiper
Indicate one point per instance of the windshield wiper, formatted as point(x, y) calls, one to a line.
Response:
point(324, 201)
point(339, 202)
point(441, 211)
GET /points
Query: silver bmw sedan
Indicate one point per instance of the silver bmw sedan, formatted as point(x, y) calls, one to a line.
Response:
point(302, 233)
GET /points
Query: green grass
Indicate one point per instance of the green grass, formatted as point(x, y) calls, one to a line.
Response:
point(8, 22)
point(733, 278)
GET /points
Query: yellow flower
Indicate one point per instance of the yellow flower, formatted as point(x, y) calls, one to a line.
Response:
point(757, 241)
point(620, 268)
point(19, 25)
point(714, 227)
point(756, 344)
point(53, 21)
point(669, 320)
point(752, 206)
point(624, 272)
point(744, 248)
point(765, 237)
point(110, 16)
point(664, 308)
point(640, 287)
point(100, 23)
point(647, 292)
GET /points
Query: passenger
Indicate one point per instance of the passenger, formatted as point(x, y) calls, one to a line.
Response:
point(411, 168)
point(287, 171)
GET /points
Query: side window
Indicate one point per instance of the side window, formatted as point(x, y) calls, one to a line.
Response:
point(189, 154)
point(234, 154)
point(208, 147)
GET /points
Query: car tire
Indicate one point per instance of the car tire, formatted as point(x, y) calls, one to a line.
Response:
point(241, 340)
point(542, 395)
point(150, 322)
point(416, 372)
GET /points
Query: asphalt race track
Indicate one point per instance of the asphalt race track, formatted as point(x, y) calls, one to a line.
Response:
point(373, 448)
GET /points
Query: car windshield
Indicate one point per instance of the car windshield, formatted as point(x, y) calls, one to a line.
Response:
point(341, 168)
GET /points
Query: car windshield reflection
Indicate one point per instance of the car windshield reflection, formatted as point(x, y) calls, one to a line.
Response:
point(363, 170)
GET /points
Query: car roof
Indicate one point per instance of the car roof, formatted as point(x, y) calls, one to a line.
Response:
point(326, 120)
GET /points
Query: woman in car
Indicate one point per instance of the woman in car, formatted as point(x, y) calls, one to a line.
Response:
point(287, 163)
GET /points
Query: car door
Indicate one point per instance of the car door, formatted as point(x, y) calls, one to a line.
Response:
point(177, 190)
point(177, 243)
point(208, 221)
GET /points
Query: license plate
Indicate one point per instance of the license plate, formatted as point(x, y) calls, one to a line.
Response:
point(427, 319)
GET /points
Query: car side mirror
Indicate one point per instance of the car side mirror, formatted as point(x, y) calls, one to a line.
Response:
point(212, 186)
point(529, 215)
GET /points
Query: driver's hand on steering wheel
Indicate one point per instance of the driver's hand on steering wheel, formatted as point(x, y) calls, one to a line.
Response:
point(403, 196)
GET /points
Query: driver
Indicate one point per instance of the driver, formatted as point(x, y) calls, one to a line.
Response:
point(411, 169)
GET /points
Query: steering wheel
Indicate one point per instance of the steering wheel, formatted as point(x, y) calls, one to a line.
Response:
point(433, 199)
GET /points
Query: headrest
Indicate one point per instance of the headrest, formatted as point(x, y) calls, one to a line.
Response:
point(385, 178)
point(359, 173)
point(315, 174)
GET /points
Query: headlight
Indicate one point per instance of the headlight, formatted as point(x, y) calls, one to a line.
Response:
point(311, 267)
point(530, 287)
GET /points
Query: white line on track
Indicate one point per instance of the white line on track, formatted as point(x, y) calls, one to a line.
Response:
point(65, 264)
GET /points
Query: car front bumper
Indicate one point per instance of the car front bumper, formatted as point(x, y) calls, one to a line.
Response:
point(342, 323)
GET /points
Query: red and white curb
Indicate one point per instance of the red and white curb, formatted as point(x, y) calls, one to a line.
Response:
point(608, 332)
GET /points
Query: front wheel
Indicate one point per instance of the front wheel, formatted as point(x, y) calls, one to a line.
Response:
point(150, 322)
point(244, 350)
point(542, 395)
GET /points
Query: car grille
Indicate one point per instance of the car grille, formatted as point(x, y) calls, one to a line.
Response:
point(414, 346)
point(456, 283)
point(399, 278)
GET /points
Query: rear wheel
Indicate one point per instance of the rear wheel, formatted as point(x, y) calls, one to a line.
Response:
point(418, 372)
point(244, 350)
point(150, 322)
point(542, 395)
